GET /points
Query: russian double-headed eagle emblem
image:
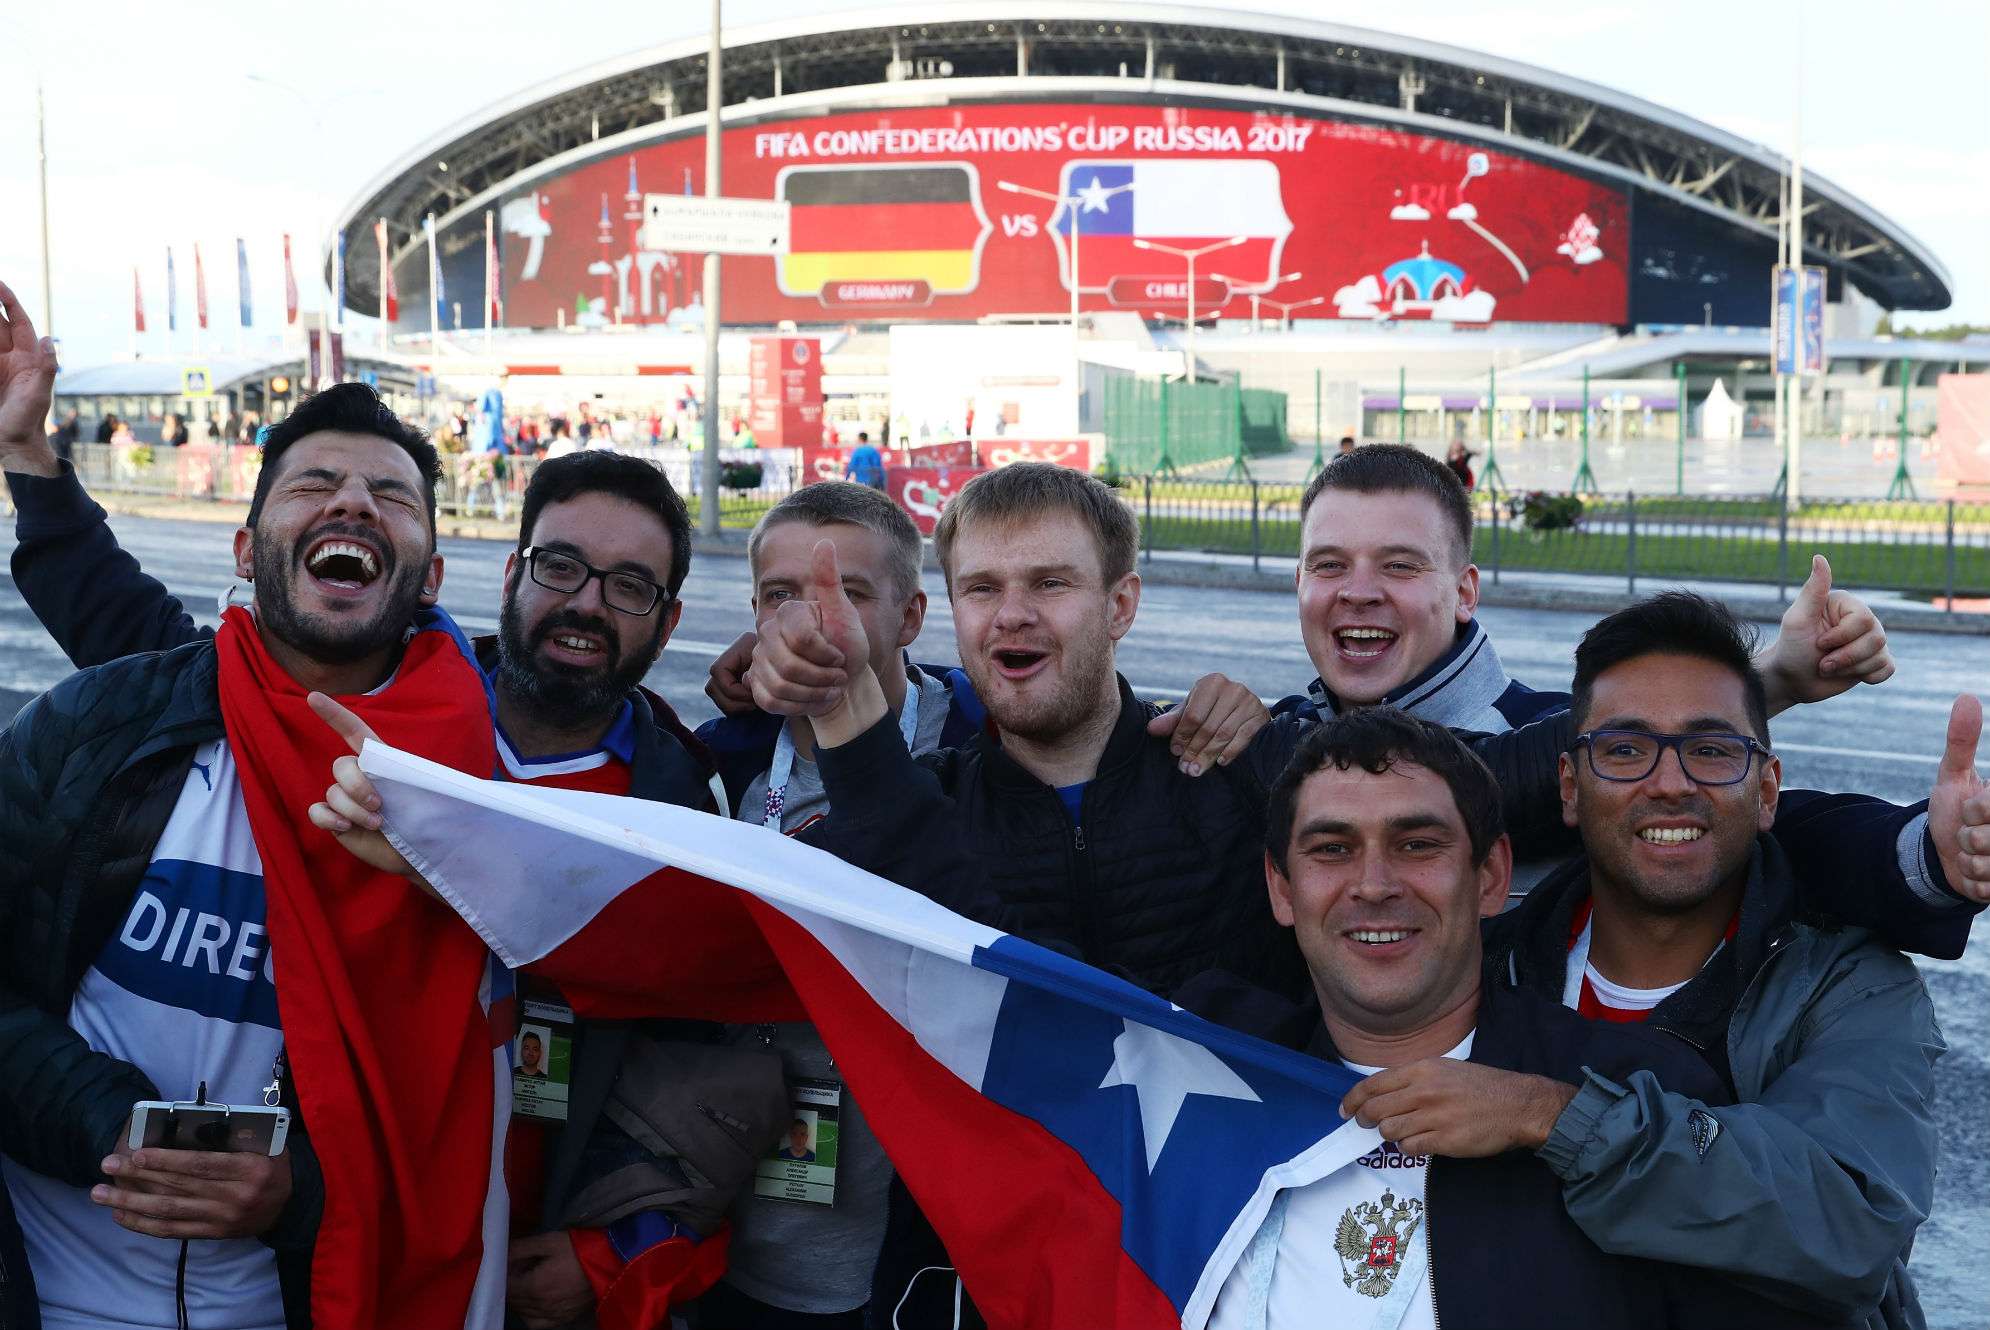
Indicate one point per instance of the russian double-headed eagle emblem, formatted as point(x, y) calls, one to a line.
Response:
point(1372, 1240)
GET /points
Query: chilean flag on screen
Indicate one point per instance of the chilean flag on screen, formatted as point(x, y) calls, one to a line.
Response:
point(1181, 203)
point(1091, 1155)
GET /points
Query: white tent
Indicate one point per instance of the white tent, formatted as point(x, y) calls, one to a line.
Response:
point(1720, 415)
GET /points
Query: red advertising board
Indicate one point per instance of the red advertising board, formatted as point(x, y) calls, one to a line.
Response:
point(1962, 428)
point(824, 464)
point(785, 388)
point(958, 453)
point(1074, 453)
point(925, 491)
point(902, 213)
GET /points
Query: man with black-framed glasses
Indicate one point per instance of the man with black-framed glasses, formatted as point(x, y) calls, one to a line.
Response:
point(1684, 914)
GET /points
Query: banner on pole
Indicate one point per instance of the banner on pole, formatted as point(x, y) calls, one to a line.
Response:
point(242, 281)
point(1799, 320)
point(390, 299)
point(199, 287)
point(338, 280)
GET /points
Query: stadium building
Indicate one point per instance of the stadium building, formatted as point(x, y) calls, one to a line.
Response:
point(1389, 210)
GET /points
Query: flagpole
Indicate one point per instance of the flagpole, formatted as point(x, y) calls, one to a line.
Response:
point(1794, 454)
point(41, 155)
point(708, 489)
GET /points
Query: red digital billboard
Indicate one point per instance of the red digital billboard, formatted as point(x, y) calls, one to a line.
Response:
point(926, 213)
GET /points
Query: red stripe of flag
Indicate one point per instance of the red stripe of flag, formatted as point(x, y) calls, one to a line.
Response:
point(846, 228)
point(682, 945)
point(1026, 1263)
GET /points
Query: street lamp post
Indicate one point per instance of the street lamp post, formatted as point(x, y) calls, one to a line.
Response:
point(1094, 199)
point(1259, 293)
point(1285, 308)
point(1189, 256)
point(41, 160)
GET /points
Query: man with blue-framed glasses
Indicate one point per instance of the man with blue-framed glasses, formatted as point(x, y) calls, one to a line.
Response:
point(1684, 915)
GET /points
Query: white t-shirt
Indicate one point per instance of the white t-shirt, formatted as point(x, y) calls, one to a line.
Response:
point(184, 992)
point(1345, 1242)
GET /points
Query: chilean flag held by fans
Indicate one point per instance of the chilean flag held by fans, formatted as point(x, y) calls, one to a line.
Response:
point(289, 284)
point(1091, 1155)
point(1183, 204)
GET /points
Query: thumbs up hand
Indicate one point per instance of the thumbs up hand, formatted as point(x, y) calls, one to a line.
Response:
point(1827, 642)
point(1959, 806)
point(813, 657)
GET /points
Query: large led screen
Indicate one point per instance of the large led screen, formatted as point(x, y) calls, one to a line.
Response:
point(927, 213)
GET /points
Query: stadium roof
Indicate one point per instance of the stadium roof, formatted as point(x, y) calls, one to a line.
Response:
point(1106, 50)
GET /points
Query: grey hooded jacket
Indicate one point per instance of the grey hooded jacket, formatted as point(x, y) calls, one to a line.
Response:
point(1810, 1187)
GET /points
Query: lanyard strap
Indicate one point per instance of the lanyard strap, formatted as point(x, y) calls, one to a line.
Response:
point(783, 768)
point(1578, 966)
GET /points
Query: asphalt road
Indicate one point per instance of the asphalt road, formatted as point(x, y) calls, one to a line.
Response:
point(1881, 741)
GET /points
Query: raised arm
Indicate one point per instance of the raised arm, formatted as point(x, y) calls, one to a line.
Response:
point(1904, 872)
point(888, 814)
point(91, 596)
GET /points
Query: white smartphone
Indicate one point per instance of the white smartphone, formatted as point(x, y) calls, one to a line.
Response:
point(236, 1128)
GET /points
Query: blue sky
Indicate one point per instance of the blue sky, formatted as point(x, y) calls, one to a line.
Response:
point(158, 134)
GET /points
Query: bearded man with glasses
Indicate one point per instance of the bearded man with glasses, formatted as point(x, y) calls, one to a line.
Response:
point(1685, 915)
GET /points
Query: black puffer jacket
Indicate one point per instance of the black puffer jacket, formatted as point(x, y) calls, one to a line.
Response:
point(89, 774)
point(1161, 878)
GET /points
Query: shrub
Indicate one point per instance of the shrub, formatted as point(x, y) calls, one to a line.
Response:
point(1545, 511)
point(739, 475)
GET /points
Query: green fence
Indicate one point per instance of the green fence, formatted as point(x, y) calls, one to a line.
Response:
point(1152, 425)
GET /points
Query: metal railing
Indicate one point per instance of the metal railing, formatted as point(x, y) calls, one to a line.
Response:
point(1934, 548)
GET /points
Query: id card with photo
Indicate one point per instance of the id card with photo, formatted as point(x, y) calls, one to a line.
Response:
point(802, 1167)
point(542, 1061)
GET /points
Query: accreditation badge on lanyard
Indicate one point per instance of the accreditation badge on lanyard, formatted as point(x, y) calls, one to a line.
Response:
point(803, 1166)
point(542, 1058)
point(783, 768)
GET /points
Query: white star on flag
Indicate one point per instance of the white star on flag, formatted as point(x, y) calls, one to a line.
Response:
point(1164, 1071)
point(1094, 196)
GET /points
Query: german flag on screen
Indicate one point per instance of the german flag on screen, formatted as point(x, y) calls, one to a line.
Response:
point(881, 223)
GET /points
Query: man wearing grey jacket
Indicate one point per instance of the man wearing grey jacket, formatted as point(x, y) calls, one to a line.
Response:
point(1684, 915)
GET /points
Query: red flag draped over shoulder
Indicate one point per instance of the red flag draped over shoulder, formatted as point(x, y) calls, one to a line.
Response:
point(378, 987)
